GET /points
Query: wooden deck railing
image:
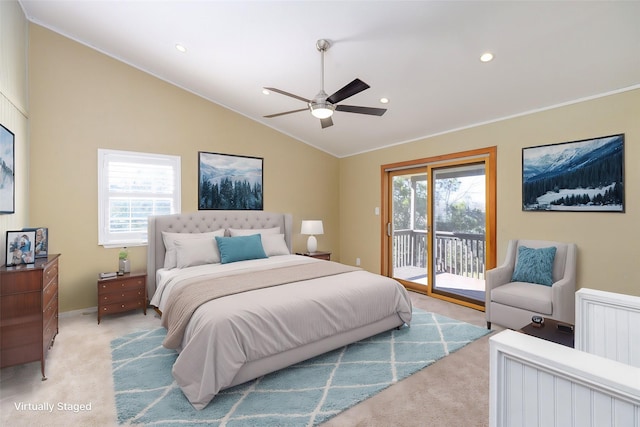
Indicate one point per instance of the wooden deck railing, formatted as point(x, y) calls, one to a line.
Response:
point(457, 253)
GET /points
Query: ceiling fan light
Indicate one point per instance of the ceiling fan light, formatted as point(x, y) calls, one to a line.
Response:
point(322, 110)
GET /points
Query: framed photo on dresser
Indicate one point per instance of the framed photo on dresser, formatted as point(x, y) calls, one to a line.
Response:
point(21, 247)
point(41, 246)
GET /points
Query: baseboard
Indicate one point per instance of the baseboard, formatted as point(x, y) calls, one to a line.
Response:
point(80, 312)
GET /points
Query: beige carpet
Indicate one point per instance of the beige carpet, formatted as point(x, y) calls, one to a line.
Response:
point(450, 393)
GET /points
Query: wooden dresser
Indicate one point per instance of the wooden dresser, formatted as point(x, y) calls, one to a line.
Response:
point(28, 311)
point(122, 293)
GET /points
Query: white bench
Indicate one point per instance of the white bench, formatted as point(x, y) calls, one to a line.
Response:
point(539, 383)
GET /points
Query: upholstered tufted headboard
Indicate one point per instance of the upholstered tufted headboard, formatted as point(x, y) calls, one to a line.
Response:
point(203, 221)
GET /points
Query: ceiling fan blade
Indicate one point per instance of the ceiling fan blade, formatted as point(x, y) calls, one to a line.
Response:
point(361, 110)
point(350, 89)
point(326, 122)
point(286, 112)
point(273, 89)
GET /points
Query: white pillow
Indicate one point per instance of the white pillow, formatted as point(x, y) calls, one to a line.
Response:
point(274, 244)
point(190, 252)
point(170, 239)
point(233, 232)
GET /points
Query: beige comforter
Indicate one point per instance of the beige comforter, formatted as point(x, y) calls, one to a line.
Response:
point(197, 291)
point(226, 333)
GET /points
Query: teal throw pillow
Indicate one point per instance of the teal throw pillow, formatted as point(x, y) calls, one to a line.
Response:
point(240, 248)
point(534, 265)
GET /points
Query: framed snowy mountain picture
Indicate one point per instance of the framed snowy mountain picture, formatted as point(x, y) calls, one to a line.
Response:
point(577, 176)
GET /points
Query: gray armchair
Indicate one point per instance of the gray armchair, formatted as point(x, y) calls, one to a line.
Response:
point(512, 304)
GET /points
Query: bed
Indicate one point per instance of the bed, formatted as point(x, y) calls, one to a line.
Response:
point(235, 315)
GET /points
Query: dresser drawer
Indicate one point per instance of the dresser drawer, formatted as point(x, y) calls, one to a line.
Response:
point(20, 334)
point(21, 354)
point(50, 273)
point(19, 281)
point(51, 311)
point(50, 292)
point(20, 307)
point(121, 296)
point(48, 334)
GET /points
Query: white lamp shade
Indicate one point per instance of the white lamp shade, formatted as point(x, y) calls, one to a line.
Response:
point(312, 227)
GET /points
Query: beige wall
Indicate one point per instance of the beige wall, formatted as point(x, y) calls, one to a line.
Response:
point(13, 111)
point(82, 100)
point(608, 252)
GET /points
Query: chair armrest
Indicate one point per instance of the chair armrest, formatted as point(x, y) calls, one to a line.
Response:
point(498, 276)
point(563, 300)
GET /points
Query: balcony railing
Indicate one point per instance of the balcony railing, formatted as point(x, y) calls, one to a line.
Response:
point(456, 253)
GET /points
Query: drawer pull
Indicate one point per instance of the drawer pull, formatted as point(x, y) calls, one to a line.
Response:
point(122, 305)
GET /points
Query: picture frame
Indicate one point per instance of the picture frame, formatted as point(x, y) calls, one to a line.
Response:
point(20, 247)
point(576, 176)
point(41, 245)
point(7, 171)
point(229, 182)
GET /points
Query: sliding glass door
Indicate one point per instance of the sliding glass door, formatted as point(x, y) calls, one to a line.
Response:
point(439, 225)
point(459, 237)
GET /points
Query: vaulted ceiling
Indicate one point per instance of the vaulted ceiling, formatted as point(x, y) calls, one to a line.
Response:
point(423, 56)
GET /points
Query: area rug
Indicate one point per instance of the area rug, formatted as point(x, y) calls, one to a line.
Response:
point(305, 394)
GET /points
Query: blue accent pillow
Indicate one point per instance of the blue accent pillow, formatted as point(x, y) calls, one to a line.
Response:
point(534, 265)
point(240, 248)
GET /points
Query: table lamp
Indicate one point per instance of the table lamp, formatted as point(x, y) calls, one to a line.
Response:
point(312, 228)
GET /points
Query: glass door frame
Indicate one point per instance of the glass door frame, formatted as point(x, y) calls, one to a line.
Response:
point(488, 156)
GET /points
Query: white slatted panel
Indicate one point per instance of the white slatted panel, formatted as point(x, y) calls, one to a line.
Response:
point(13, 110)
point(607, 325)
point(535, 383)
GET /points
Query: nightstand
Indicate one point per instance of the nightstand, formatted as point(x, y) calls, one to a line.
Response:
point(319, 255)
point(122, 293)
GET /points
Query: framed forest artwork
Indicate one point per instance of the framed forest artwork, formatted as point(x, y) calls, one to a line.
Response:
point(229, 182)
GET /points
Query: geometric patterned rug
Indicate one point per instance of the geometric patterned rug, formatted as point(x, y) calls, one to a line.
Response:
point(305, 394)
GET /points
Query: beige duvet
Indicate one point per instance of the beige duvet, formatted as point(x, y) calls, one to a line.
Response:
point(228, 332)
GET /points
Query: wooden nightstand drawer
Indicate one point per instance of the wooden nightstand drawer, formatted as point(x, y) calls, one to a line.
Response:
point(120, 284)
point(120, 307)
point(121, 296)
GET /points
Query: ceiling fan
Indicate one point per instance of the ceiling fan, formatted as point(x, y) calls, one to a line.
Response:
point(322, 106)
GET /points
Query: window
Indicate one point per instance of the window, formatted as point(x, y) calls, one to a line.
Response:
point(131, 187)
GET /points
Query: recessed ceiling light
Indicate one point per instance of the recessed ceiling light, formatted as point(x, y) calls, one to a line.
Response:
point(486, 57)
point(181, 48)
point(384, 100)
point(265, 91)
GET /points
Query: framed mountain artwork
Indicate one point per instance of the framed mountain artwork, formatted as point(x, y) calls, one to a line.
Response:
point(578, 176)
point(7, 173)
